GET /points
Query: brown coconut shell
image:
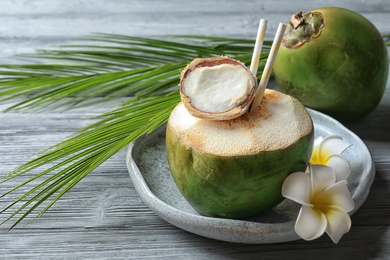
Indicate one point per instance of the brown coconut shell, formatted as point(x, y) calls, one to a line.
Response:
point(235, 112)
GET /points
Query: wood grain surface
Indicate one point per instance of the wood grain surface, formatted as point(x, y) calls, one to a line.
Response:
point(103, 217)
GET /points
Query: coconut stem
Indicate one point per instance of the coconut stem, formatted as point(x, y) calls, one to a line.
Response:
point(303, 28)
point(258, 46)
point(296, 20)
point(268, 66)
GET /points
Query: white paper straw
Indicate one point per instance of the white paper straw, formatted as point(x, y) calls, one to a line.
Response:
point(258, 46)
point(268, 66)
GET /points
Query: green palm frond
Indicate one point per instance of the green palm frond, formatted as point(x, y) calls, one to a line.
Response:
point(104, 67)
point(108, 69)
point(90, 148)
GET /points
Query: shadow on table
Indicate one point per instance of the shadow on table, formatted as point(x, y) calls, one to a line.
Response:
point(373, 127)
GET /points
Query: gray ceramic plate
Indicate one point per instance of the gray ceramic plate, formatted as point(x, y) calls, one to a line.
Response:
point(149, 171)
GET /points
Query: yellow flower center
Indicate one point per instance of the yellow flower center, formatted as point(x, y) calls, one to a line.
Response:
point(318, 158)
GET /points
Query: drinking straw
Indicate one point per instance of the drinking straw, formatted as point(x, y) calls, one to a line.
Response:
point(258, 46)
point(268, 66)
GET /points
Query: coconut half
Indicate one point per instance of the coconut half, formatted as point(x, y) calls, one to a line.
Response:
point(218, 88)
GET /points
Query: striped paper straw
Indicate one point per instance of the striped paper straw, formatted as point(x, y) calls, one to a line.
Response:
point(268, 66)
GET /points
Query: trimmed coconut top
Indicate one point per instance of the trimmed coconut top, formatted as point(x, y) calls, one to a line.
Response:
point(217, 88)
point(277, 123)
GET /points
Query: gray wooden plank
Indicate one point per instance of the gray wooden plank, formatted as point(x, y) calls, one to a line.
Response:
point(30, 25)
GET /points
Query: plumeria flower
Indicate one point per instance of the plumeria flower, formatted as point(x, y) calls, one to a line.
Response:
point(327, 151)
point(325, 203)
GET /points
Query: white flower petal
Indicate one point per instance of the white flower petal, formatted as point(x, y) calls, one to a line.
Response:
point(335, 195)
point(333, 144)
point(339, 223)
point(318, 141)
point(321, 177)
point(296, 187)
point(340, 166)
point(310, 224)
point(316, 149)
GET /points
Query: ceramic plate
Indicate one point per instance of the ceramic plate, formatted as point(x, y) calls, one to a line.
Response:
point(150, 174)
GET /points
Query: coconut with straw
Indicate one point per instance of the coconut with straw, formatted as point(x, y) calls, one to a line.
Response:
point(231, 142)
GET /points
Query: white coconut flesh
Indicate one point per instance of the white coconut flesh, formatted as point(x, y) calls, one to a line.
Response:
point(277, 123)
point(218, 88)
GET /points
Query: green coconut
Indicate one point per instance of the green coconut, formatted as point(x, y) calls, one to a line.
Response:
point(235, 168)
point(333, 60)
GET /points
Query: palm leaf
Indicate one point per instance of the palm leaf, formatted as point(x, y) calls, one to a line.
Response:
point(103, 68)
point(89, 149)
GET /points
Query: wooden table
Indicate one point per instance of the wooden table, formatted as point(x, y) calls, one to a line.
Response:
point(103, 217)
